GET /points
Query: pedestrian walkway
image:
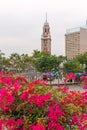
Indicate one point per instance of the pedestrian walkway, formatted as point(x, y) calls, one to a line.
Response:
point(72, 86)
point(76, 88)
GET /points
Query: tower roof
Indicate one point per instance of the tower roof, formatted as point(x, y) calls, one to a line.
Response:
point(46, 23)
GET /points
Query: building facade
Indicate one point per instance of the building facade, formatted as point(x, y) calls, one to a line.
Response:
point(46, 38)
point(75, 42)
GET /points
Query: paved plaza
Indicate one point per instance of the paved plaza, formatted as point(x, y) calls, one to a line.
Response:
point(76, 88)
point(71, 86)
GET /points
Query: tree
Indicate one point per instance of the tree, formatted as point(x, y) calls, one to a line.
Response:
point(36, 54)
point(73, 65)
point(47, 62)
point(82, 58)
point(26, 61)
point(15, 61)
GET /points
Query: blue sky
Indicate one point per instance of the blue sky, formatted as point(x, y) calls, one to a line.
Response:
point(21, 23)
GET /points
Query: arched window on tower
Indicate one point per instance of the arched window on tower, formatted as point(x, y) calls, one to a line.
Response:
point(45, 30)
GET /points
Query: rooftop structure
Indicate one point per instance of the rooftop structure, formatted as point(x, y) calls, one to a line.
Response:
point(75, 41)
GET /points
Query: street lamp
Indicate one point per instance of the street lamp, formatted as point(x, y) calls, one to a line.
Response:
point(61, 67)
point(83, 66)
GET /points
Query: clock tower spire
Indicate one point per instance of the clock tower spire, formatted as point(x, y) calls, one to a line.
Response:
point(46, 17)
point(46, 38)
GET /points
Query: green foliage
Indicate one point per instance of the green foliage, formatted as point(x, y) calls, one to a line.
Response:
point(37, 54)
point(73, 65)
point(42, 61)
point(47, 62)
point(76, 64)
point(82, 58)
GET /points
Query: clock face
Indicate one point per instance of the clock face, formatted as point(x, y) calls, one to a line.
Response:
point(45, 44)
point(45, 49)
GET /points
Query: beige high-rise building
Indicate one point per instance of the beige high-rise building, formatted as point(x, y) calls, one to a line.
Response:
point(75, 41)
point(46, 38)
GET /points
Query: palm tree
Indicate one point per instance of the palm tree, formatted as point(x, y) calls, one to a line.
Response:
point(15, 61)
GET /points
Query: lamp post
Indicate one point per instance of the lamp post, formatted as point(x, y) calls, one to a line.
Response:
point(83, 66)
point(58, 77)
point(61, 67)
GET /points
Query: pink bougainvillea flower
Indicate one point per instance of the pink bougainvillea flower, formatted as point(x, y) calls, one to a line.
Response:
point(85, 87)
point(70, 76)
point(38, 126)
point(16, 86)
point(23, 104)
point(55, 112)
point(10, 123)
point(75, 119)
point(1, 124)
point(39, 100)
point(64, 89)
point(19, 121)
point(55, 126)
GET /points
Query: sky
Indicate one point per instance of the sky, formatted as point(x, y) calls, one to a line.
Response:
point(21, 23)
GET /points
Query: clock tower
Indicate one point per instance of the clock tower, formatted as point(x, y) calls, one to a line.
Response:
point(46, 38)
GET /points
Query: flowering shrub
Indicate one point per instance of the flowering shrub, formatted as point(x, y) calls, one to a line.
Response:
point(83, 79)
point(70, 77)
point(35, 106)
point(48, 76)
